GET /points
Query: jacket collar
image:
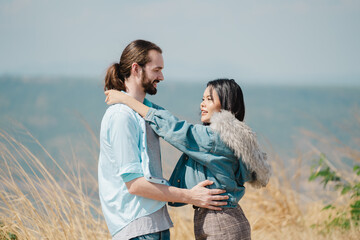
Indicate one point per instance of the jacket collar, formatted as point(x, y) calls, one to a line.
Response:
point(242, 140)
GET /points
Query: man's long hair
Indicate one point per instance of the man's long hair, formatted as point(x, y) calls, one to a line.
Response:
point(136, 52)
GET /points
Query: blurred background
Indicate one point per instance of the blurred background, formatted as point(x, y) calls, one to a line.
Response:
point(298, 63)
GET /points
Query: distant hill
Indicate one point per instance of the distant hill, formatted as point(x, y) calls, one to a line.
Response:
point(59, 112)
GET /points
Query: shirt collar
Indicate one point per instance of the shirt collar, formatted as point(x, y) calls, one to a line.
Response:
point(147, 102)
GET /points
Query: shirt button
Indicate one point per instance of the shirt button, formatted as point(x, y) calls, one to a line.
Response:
point(178, 180)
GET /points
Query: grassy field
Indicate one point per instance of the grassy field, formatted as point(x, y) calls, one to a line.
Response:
point(45, 201)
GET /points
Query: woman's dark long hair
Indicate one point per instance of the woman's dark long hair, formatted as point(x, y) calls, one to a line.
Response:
point(230, 95)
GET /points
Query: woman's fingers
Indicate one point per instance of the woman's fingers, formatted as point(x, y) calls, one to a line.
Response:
point(107, 99)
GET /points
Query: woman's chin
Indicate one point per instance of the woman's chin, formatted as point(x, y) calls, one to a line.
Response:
point(205, 120)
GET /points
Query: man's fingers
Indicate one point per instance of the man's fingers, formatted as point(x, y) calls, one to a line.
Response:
point(214, 208)
point(217, 191)
point(219, 197)
point(218, 203)
point(205, 183)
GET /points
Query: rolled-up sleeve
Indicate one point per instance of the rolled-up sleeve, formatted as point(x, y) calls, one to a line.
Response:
point(124, 138)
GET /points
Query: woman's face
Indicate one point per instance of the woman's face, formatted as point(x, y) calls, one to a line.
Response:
point(210, 104)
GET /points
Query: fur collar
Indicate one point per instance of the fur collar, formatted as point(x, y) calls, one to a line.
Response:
point(242, 140)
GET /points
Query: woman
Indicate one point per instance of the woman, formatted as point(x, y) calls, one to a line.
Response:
point(223, 150)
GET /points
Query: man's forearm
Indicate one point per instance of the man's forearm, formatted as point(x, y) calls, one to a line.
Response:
point(198, 195)
point(142, 187)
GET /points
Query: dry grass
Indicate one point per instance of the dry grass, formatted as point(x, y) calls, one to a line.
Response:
point(38, 203)
point(276, 212)
point(290, 205)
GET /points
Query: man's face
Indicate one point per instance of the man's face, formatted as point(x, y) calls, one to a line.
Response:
point(152, 72)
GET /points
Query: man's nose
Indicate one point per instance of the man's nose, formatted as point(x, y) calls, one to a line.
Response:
point(161, 76)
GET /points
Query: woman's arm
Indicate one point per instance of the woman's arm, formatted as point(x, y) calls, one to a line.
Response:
point(194, 140)
point(115, 96)
point(197, 141)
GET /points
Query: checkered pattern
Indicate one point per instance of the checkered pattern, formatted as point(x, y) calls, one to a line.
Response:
point(227, 224)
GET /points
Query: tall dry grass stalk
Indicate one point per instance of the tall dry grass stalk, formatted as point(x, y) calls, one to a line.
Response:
point(276, 212)
point(39, 203)
point(288, 208)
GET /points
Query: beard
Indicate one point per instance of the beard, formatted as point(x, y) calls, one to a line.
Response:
point(148, 85)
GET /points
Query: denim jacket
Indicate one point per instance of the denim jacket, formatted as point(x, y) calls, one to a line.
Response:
point(226, 152)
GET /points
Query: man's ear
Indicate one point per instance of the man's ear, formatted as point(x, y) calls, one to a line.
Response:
point(135, 69)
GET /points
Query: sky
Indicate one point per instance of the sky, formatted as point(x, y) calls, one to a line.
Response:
point(258, 41)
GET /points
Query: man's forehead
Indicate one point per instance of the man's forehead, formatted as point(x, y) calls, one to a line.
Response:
point(153, 54)
point(156, 59)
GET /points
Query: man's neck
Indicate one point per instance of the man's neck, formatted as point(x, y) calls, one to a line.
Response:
point(135, 91)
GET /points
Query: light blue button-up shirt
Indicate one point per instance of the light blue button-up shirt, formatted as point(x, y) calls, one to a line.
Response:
point(123, 157)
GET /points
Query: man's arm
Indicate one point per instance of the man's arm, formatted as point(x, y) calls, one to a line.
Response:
point(124, 141)
point(199, 195)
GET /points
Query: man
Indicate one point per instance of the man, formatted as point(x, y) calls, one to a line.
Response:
point(131, 188)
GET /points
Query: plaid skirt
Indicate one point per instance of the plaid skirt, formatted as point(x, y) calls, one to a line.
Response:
point(227, 224)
